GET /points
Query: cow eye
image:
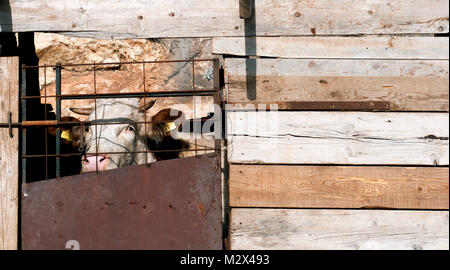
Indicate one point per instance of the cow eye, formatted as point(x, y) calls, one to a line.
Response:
point(129, 129)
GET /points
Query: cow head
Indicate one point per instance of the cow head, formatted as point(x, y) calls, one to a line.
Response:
point(100, 139)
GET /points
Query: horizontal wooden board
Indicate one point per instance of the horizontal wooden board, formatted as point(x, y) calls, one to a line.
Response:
point(383, 47)
point(408, 85)
point(280, 137)
point(334, 67)
point(202, 18)
point(338, 187)
point(338, 229)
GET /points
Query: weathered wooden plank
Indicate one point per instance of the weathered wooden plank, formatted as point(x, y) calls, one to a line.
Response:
point(341, 67)
point(9, 172)
point(402, 93)
point(338, 138)
point(338, 187)
point(338, 229)
point(368, 47)
point(205, 18)
point(411, 85)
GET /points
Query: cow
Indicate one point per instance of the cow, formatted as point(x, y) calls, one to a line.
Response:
point(128, 135)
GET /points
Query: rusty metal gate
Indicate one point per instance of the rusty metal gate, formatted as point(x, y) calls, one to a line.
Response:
point(170, 204)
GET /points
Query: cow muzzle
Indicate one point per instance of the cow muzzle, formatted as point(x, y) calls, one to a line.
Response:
point(92, 163)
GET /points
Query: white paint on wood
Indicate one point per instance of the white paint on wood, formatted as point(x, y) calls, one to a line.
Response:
point(206, 18)
point(338, 138)
point(9, 179)
point(336, 47)
point(338, 229)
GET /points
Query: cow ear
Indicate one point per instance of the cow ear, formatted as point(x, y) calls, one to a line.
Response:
point(82, 111)
point(144, 107)
point(52, 130)
point(69, 134)
point(165, 115)
point(160, 125)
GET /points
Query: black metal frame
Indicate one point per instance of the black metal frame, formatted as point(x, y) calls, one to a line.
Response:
point(24, 124)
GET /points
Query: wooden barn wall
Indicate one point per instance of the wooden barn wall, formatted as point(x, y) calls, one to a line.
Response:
point(357, 156)
point(359, 159)
point(220, 18)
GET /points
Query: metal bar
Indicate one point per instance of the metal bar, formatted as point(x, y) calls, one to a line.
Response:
point(195, 113)
point(316, 105)
point(58, 118)
point(23, 92)
point(218, 114)
point(13, 125)
point(95, 112)
point(49, 123)
point(170, 93)
point(45, 118)
point(117, 153)
point(39, 123)
point(120, 63)
point(145, 113)
point(11, 134)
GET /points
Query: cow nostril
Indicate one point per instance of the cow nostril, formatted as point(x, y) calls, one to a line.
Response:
point(90, 161)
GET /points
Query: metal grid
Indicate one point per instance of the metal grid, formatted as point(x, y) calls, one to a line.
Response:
point(59, 96)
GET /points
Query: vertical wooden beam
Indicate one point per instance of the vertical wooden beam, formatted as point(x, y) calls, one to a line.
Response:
point(9, 171)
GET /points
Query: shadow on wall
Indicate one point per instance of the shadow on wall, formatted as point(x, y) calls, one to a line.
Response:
point(5, 16)
point(8, 44)
point(250, 50)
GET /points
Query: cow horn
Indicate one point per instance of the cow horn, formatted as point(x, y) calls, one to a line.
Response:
point(82, 111)
point(146, 106)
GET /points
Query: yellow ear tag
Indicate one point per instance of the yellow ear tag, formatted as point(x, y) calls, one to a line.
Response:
point(170, 126)
point(66, 135)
